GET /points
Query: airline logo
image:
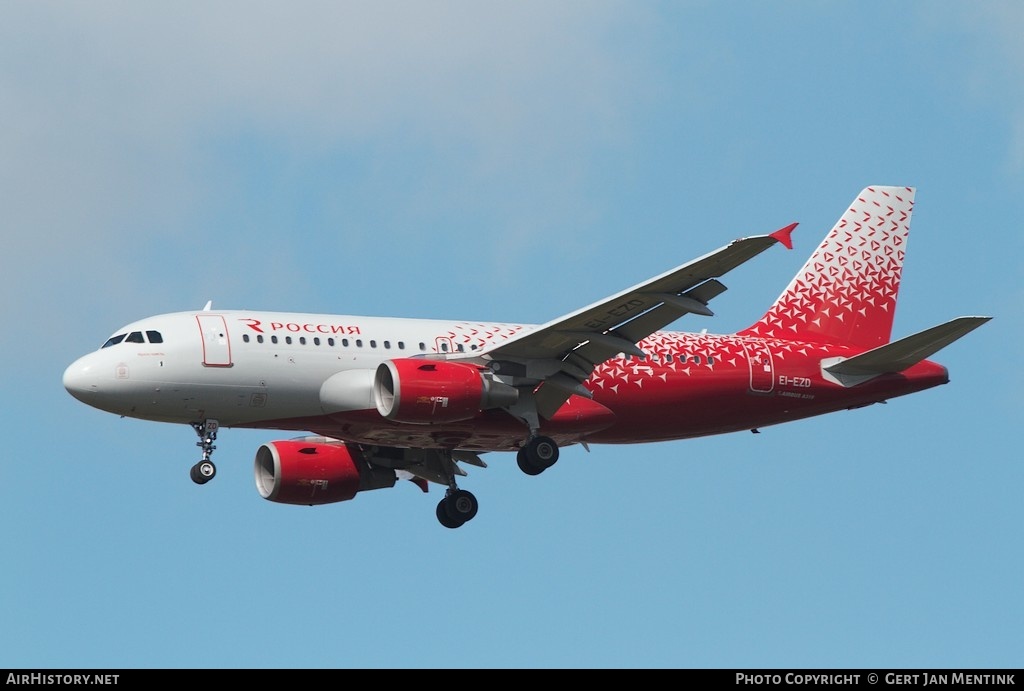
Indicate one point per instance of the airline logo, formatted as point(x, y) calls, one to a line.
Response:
point(294, 327)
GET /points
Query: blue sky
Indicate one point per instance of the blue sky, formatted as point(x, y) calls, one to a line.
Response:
point(507, 162)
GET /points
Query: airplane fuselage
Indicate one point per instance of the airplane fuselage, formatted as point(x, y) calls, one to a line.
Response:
point(272, 370)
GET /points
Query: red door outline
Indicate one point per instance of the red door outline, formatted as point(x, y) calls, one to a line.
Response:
point(762, 370)
point(444, 344)
point(216, 346)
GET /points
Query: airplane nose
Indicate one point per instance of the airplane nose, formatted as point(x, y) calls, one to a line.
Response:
point(80, 380)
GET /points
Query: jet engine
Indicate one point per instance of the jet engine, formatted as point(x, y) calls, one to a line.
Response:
point(431, 391)
point(301, 471)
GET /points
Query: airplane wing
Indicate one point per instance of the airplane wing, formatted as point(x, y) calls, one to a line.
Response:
point(561, 354)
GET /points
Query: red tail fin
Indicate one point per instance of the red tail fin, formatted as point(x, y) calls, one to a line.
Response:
point(846, 292)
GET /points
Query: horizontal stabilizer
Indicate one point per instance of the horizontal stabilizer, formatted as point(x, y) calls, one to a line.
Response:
point(899, 355)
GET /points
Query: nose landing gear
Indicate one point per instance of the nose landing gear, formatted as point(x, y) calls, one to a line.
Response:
point(204, 471)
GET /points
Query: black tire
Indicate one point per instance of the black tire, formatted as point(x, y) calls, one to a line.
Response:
point(525, 465)
point(542, 452)
point(461, 506)
point(202, 472)
point(443, 517)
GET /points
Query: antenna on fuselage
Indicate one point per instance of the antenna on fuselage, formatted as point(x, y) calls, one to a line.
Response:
point(209, 304)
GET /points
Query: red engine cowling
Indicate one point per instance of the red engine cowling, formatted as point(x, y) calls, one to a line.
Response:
point(306, 472)
point(430, 391)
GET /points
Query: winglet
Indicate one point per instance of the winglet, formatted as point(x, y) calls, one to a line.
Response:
point(783, 235)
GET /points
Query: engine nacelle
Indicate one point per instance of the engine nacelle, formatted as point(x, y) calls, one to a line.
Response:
point(307, 472)
point(433, 391)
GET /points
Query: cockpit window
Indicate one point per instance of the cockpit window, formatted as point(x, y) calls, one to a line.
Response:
point(114, 340)
point(134, 337)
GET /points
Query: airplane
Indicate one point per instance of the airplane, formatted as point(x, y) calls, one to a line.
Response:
point(376, 400)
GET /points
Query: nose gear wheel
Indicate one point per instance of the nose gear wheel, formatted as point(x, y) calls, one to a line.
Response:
point(204, 471)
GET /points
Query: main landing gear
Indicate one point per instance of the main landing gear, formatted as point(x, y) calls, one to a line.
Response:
point(457, 507)
point(460, 506)
point(537, 455)
point(203, 471)
point(539, 452)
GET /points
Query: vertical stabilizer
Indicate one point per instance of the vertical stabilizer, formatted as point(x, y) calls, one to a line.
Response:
point(846, 292)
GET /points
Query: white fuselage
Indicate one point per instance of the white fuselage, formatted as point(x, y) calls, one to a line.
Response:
point(242, 367)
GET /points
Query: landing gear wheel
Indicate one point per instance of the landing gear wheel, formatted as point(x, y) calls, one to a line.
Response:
point(461, 505)
point(539, 454)
point(525, 465)
point(458, 507)
point(202, 472)
point(443, 517)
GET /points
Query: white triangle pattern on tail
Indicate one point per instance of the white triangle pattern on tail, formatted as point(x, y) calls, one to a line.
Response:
point(846, 292)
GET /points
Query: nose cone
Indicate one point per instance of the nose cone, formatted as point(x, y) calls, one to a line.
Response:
point(81, 381)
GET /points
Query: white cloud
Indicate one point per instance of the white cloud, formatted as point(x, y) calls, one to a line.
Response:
point(111, 109)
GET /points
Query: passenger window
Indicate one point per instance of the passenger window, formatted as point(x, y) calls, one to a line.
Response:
point(359, 343)
point(316, 340)
point(113, 340)
point(373, 344)
point(273, 339)
point(154, 337)
point(288, 340)
point(423, 346)
point(696, 359)
point(344, 342)
point(135, 337)
point(387, 344)
point(401, 345)
point(330, 342)
point(245, 337)
point(302, 340)
point(259, 339)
